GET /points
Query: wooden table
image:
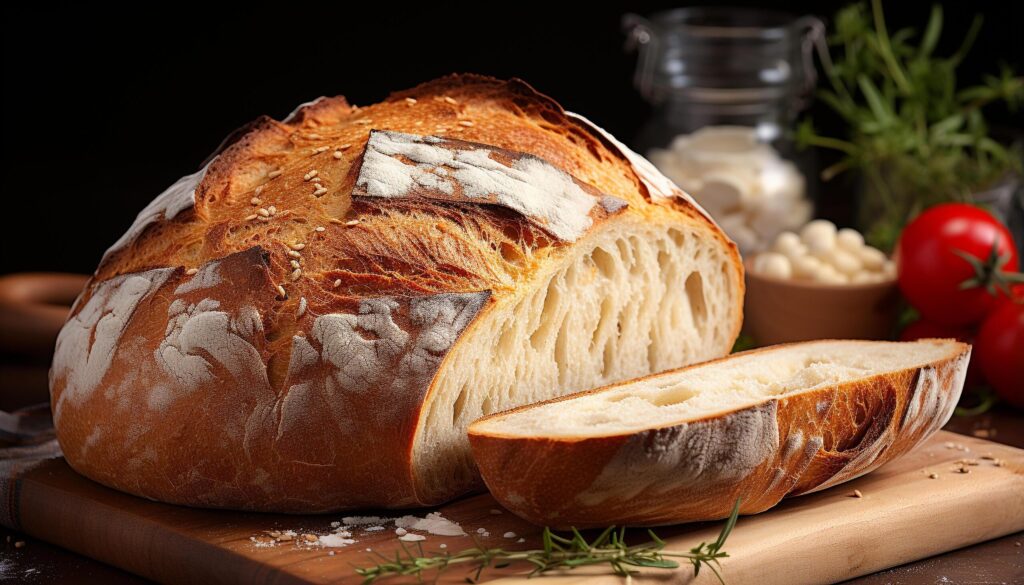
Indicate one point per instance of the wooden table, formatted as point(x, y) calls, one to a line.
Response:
point(997, 561)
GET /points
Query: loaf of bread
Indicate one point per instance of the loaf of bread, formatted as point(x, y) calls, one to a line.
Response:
point(683, 446)
point(311, 321)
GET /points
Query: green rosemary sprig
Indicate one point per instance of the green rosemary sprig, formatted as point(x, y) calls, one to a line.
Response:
point(559, 553)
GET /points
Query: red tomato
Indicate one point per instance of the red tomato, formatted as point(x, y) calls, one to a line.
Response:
point(931, 269)
point(999, 351)
point(924, 329)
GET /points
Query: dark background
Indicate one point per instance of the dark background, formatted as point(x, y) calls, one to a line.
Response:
point(105, 108)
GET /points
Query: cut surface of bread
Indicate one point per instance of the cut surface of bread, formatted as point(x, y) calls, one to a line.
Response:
point(311, 321)
point(635, 300)
point(684, 445)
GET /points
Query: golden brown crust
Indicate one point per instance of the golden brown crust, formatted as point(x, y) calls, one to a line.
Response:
point(267, 259)
point(695, 471)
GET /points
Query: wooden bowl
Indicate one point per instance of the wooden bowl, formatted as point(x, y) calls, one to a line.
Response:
point(781, 311)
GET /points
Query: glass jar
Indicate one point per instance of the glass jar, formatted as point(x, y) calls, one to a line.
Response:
point(726, 86)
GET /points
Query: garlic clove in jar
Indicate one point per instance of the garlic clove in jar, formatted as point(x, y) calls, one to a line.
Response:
point(721, 192)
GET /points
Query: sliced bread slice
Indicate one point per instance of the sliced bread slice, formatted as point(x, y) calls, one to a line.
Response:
point(684, 445)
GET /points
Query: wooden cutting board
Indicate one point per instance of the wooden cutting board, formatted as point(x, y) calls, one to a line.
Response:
point(903, 515)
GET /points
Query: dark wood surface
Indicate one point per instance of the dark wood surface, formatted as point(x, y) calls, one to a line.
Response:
point(996, 561)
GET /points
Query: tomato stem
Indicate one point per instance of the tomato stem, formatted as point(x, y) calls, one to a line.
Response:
point(989, 273)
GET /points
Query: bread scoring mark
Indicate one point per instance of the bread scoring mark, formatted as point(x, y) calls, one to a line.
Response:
point(87, 342)
point(175, 199)
point(202, 343)
point(697, 456)
point(407, 165)
point(658, 185)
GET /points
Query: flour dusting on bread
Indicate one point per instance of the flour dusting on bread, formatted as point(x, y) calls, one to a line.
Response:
point(403, 165)
point(87, 343)
point(206, 277)
point(201, 340)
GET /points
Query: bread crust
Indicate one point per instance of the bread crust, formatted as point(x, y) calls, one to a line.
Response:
point(264, 338)
point(696, 470)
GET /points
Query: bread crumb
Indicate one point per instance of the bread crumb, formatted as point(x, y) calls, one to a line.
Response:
point(352, 222)
point(509, 534)
point(330, 554)
point(521, 541)
point(443, 545)
point(401, 531)
point(933, 475)
point(857, 494)
point(412, 537)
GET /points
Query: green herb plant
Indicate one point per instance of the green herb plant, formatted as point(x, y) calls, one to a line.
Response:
point(559, 553)
point(917, 139)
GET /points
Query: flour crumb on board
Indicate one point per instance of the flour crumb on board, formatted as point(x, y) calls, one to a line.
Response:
point(433, 523)
point(342, 533)
point(336, 540)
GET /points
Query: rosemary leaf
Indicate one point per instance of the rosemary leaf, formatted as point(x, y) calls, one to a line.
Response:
point(559, 553)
